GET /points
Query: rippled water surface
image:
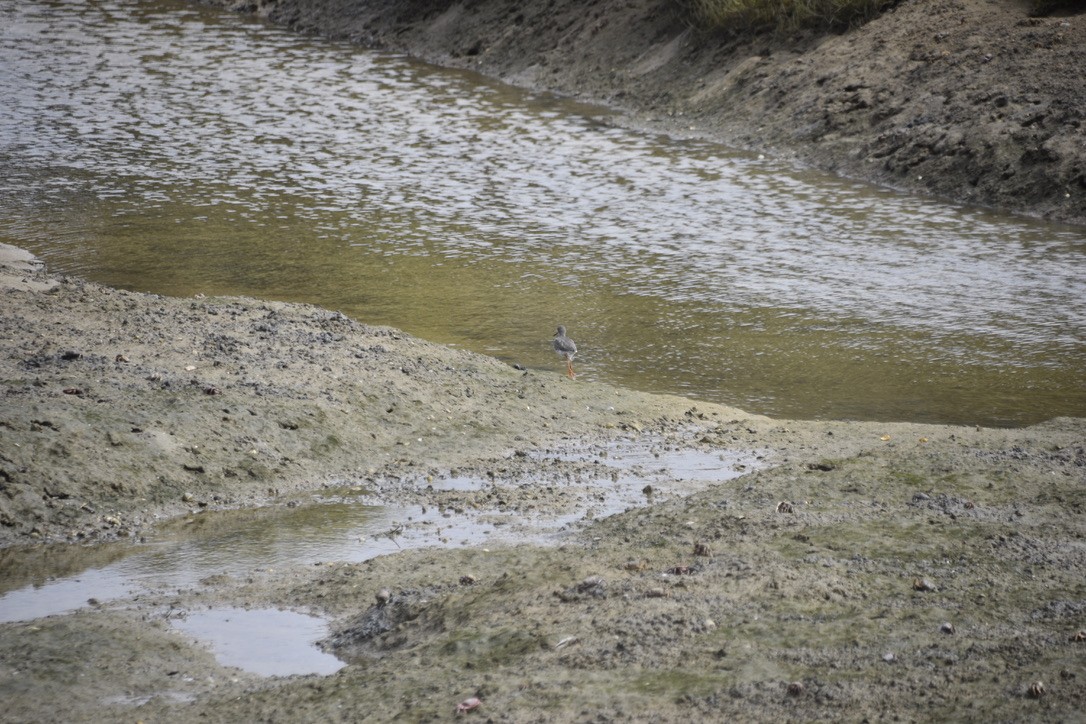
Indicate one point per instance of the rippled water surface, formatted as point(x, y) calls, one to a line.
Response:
point(165, 147)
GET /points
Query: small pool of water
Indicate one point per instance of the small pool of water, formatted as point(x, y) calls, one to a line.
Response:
point(244, 543)
point(268, 642)
point(343, 525)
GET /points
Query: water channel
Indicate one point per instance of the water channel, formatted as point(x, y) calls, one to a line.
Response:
point(161, 146)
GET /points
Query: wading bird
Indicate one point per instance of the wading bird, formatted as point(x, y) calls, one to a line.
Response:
point(566, 348)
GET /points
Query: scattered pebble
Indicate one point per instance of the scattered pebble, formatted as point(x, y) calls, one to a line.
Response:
point(469, 704)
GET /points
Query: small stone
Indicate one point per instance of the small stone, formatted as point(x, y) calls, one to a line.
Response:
point(947, 628)
point(592, 583)
point(383, 597)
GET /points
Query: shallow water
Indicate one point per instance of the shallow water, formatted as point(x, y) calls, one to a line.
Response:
point(338, 526)
point(263, 641)
point(164, 147)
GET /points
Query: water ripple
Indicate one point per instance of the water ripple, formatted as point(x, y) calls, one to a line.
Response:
point(137, 109)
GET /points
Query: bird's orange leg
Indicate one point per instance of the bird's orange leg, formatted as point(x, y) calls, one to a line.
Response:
point(569, 369)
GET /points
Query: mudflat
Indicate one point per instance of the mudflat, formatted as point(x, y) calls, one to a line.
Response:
point(846, 570)
point(823, 570)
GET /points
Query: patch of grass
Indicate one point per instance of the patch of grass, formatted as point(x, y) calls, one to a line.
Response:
point(784, 15)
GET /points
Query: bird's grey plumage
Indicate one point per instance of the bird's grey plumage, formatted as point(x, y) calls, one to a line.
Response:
point(566, 348)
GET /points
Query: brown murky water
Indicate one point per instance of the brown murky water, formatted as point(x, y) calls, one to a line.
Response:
point(163, 147)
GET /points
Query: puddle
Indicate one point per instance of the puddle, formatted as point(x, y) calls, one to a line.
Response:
point(267, 642)
point(344, 525)
point(348, 528)
point(640, 475)
point(64, 595)
point(239, 543)
point(678, 464)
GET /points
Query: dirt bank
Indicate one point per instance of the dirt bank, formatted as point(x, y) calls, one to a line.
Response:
point(970, 100)
point(855, 570)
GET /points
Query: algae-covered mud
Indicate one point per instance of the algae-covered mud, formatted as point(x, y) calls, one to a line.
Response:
point(556, 549)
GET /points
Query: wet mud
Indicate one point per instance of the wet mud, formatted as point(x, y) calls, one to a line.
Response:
point(642, 557)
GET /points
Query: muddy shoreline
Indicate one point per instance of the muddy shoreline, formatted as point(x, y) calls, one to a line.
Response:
point(973, 101)
point(821, 570)
point(813, 582)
